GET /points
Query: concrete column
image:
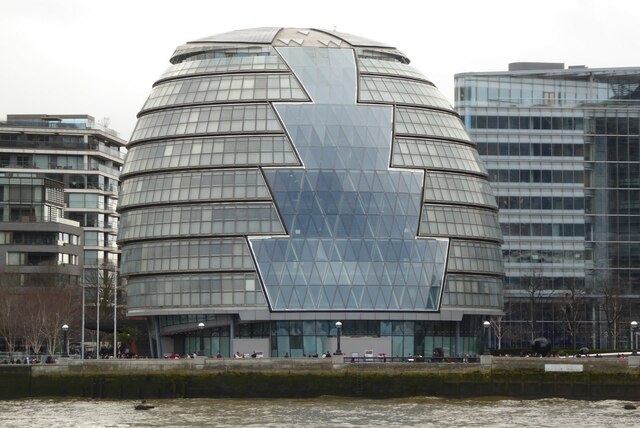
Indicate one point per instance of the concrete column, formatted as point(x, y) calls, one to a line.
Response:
point(156, 322)
point(231, 334)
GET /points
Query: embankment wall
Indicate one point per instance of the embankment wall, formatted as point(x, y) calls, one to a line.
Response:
point(152, 379)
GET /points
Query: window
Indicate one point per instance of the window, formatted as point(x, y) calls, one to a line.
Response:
point(16, 259)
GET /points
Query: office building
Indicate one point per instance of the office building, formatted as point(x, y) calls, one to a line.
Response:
point(562, 150)
point(39, 246)
point(59, 177)
point(280, 181)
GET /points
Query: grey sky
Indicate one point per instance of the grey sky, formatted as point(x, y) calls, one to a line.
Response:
point(101, 57)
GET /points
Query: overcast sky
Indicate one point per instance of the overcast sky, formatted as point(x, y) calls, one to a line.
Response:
point(101, 57)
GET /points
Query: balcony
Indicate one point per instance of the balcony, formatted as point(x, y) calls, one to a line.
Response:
point(60, 125)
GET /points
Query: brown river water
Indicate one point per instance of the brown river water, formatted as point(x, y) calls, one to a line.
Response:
point(319, 412)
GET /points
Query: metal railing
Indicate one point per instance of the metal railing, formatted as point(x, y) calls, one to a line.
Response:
point(412, 359)
point(59, 125)
point(99, 147)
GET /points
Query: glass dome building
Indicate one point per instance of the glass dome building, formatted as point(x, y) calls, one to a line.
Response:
point(280, 180)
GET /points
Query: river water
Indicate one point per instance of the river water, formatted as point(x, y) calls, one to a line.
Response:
point(319, 412)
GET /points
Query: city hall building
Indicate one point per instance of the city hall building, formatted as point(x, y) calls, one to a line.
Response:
point(281, 180)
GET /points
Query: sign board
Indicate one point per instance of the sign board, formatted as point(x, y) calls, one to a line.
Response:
point(563, 367)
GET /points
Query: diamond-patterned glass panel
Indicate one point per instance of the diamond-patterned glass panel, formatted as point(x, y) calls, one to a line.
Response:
point(352, 222)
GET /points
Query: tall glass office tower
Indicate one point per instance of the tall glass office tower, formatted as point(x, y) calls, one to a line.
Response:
point(280, 180)
point(562, 149)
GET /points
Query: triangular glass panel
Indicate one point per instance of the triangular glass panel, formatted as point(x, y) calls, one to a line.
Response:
point(344, 276)
point(297, 297)
point(357, 292)
point(342, 296)
point(287, 292)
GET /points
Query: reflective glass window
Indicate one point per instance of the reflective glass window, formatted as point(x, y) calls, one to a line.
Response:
point(186, 255)
point(429, 123)
point(433, 154)
point(242, 184)
point(200, 290)
point(201, 219)
point(225, 65)
point(473, 256)
point(401, 91)
point(446, 187)
point(468, 290)
point(392, 68)
point(221, 89)
point(211, 152)
point(207, 120)
point(442, 220)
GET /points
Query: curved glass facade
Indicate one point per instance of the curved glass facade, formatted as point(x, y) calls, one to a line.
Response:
point(316, 176)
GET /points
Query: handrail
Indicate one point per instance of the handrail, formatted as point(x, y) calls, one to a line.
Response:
point(99, 147)
point(412, 359)
point(60, 125)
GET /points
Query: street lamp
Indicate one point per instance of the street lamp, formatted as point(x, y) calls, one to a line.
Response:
point(339, 328)
point(486, 325)
point(634, 341)
point(201, 328)
point(65, 344)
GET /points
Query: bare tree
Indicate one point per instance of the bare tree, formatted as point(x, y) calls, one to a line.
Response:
point(62, 308)
point(572, 307)
point(499, 328)
point(613, 304)
point(34, 306)
point(535, 289)
point(104, 280)
point(34, 319)
point(10, 317)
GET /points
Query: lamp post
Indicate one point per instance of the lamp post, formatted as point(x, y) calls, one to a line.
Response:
point(82, 325)
point(65, 344)
point(338, 328)
point(486, 326)
point(634, 341)
point(201, 328)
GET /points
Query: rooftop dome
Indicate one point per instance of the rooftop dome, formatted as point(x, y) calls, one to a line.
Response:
point(276, 36)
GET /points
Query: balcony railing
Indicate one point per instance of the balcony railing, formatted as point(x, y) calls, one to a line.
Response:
point(60, 125)
point(99, 147)
point(81, 167)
